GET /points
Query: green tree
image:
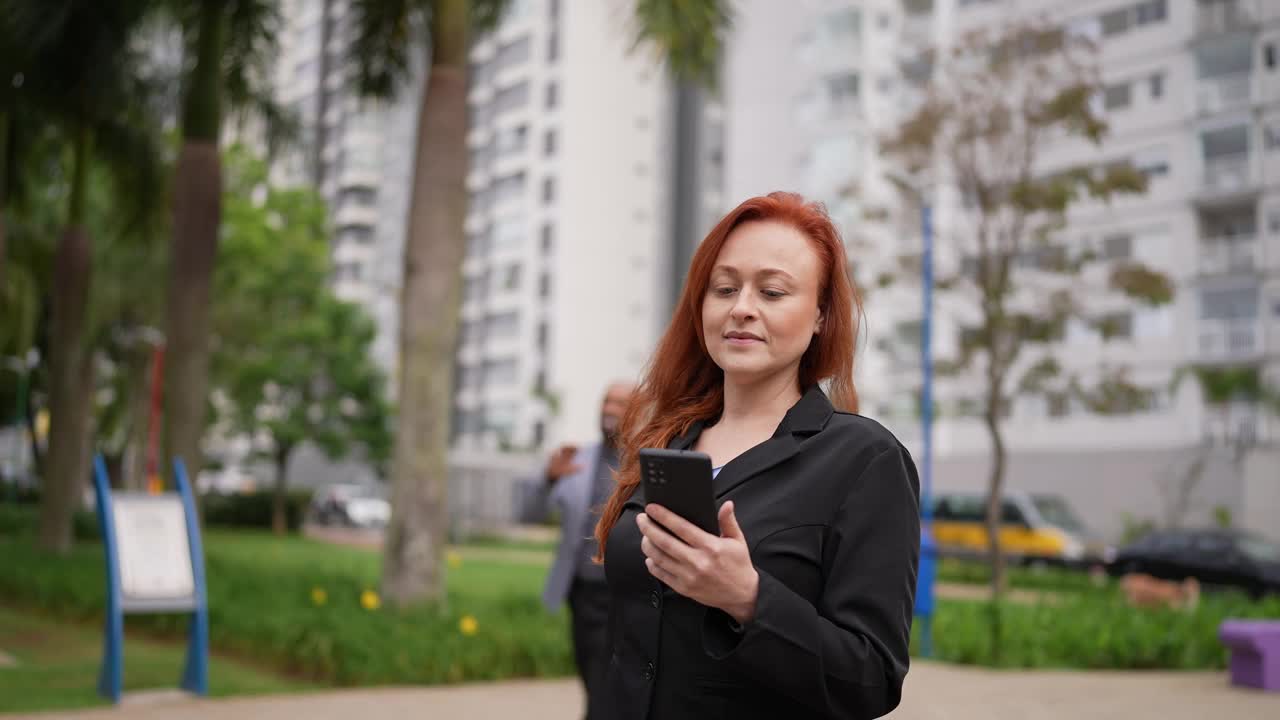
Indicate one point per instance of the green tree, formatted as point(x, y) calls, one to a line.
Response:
point(82, 71)
point(992, 107)
point(230, 45)
point(388, 32)
point(291, 362)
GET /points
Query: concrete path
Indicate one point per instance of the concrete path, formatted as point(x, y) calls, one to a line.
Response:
point(933, 692)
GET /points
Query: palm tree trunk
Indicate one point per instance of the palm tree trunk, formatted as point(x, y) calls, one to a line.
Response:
point(197, 212)
point(69, 356)
point(4, 194)
point(432, 270)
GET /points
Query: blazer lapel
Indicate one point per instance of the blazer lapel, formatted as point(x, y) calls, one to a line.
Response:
point(808, 416)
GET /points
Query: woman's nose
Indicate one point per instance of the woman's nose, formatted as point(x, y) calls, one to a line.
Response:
point(745, 306)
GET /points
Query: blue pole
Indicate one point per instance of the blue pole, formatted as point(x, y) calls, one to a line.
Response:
point(928, 569)
point(195, 673)
point(926, 363)
point(111, 675)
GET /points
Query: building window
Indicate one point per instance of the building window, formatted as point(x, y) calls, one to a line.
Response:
point(552, 96)
point(1115, 97)
point(1152, 163)
point(842, 90)
point(1271, 137)
point(1115, 22)
point(553, 46)
point(1151, 11)
point(548, 191)
point(543, 338)
point(547, 239)
point(502, 325)
point(544, 285)
point(511, 280)
point(510, 98)
point(1117, 247)
point(1269, 55)
point(1229, 303)
point(549, 143)
point(356, 234)
point(1157, 86)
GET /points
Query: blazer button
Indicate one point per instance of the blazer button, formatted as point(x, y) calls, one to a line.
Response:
point(655, 599)
point(648, 671)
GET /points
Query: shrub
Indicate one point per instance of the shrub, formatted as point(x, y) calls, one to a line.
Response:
point(24, 521)
point(253, 510)
point(1091, 630)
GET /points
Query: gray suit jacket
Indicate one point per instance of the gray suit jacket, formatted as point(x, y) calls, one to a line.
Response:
point(571, 494)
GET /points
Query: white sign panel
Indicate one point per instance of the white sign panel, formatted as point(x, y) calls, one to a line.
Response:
point(155, 557)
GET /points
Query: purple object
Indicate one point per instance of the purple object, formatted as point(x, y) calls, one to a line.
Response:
point(1255, 652)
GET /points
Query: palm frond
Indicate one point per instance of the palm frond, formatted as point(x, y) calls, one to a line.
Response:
point(688, 34)
point(385, 35)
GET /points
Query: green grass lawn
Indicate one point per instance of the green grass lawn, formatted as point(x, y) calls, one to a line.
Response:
point(58, 666)
point(310, 610)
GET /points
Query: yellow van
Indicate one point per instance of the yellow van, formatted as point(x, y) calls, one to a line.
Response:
point(1036, 529)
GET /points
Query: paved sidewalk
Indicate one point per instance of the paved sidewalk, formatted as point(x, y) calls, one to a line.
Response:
point(933, 692)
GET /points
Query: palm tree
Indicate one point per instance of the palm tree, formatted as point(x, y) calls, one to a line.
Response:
point(230, 44)
point(82, 72)
point(686, 33)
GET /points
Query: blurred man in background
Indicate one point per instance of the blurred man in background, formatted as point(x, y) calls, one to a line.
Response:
point(577, 481)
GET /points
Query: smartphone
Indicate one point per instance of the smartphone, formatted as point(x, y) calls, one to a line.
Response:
point(680, 481)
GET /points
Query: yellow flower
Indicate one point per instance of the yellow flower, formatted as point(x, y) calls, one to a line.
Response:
point(453, 558)
point(369, 600)
point(319, 596)
point(468, 625)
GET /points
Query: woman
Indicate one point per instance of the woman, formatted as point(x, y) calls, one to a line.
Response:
point(802, 606)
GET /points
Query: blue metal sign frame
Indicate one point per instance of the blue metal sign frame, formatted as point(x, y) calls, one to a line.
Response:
point(195, 673)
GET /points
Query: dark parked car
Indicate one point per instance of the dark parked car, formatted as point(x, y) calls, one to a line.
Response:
point(1221, 558)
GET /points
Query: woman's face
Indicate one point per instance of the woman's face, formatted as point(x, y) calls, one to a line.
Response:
point(761, 308)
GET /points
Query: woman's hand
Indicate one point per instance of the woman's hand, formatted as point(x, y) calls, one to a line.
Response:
point(714, 571)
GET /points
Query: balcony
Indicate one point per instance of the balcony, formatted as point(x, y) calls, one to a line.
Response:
point(1234, 340)
point(355, 214)
point(1228, 173)
point(1218, 17)
point(1230, 255)
point(1224, 92)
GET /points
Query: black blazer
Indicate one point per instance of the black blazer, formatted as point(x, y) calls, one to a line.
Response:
point(830, 508)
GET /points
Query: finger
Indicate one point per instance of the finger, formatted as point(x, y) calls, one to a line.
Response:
point(656, 554)
point(663, 539)
point(729, 522)
point(666, 576)
point(678, 526)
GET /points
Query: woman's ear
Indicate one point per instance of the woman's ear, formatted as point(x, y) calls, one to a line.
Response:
point(817, 326)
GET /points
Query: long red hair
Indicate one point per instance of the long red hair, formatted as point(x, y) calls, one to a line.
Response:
point(683, 385)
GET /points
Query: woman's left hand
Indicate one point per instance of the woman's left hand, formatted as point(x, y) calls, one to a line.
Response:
point(714, 571)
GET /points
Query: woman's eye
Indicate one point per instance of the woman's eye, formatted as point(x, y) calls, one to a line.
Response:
point(725, 290)
point(774, 294)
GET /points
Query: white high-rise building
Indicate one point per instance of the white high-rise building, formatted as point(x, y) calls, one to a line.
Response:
point(578, 233)
point(358, 153)
point(569, 266)
point(1192, 95)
